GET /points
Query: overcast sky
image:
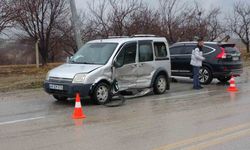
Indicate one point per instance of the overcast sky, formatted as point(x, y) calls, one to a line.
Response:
point(225, 5)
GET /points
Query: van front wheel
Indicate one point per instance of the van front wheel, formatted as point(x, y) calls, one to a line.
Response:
point(160, 84)
point(101, 94)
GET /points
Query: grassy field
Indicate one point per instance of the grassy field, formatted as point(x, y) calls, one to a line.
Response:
point(13, 77)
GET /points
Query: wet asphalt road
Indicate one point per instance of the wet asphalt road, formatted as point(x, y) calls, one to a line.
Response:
point(211, 118)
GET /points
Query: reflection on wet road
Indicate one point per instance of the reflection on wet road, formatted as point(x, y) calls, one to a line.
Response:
point(211, 118)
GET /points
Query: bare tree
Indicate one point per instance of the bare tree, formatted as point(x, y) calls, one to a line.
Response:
point(121, 11)
point(171, 12)
point(99, 17)
point(37, 19)
point(206, 23)
point(214, 26)
point(62, 36)
point(5, 16)
point(146, 21)
point(182, 21)
point(111, 17)
point(240, 23)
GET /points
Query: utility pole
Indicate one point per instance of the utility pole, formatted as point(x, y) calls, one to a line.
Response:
point(75, 24)
point(200, 30)
point(37, 54)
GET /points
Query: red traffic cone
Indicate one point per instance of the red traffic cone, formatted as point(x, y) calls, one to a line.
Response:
point(232, 87)
point(78, 113)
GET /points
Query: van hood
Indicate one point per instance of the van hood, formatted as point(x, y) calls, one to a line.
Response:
point(70, 70)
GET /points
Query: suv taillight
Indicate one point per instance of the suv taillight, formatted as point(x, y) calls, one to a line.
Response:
point(222, 54)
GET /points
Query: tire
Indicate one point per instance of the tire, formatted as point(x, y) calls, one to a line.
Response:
point(101, 94)
point(160, 84)
point(205, 75)
point(60, 98)
point(224, 79)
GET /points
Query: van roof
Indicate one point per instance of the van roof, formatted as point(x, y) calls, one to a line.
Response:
point(128, 39)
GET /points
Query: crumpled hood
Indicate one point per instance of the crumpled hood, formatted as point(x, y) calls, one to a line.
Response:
point(70, 70)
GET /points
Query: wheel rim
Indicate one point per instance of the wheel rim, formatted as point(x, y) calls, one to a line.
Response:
point(161, 84)
point(203, 75)
point(102, 94)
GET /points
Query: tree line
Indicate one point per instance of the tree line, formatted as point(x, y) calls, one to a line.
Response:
point(49, 21)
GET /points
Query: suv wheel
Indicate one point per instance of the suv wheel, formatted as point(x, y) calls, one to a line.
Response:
point(101, 94)
point(60, 98)
point(205, 75)
point(160, 84)
point(224, 79)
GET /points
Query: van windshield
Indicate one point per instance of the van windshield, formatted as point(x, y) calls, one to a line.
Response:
point(94, 53)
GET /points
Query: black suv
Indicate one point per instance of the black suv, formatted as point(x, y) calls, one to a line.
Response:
point(222, 61)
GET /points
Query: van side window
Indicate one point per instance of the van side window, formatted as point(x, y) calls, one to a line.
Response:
point(127, 55)
point(145, 51)
point(160, 49)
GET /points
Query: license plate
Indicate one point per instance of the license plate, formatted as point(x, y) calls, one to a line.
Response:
point(56, 87)
point(235, 58)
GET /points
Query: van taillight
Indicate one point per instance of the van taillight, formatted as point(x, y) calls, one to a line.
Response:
point(222, 54)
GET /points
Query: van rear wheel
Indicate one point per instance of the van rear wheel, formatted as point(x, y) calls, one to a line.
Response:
point(160, 84)
point(101, 94)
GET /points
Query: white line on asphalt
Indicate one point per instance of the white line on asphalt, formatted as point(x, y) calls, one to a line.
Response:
point(21, 120)
point(184, 95)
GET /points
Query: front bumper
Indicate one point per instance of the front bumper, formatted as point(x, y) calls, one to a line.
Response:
point(69, 90)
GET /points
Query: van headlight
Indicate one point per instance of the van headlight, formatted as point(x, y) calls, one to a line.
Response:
point(79, 78)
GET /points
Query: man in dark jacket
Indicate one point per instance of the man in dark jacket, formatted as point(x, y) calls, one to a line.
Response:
point(196, 62)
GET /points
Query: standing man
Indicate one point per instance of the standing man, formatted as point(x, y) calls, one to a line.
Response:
point(196, 62)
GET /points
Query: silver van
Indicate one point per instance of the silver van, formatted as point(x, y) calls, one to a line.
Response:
point(140, 62)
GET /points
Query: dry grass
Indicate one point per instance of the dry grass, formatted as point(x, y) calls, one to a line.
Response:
point(13, 77)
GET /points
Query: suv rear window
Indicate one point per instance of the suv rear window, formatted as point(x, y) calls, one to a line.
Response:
point(230, 50)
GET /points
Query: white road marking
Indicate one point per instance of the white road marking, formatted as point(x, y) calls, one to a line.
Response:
point(21, 120)
point(184, 95)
